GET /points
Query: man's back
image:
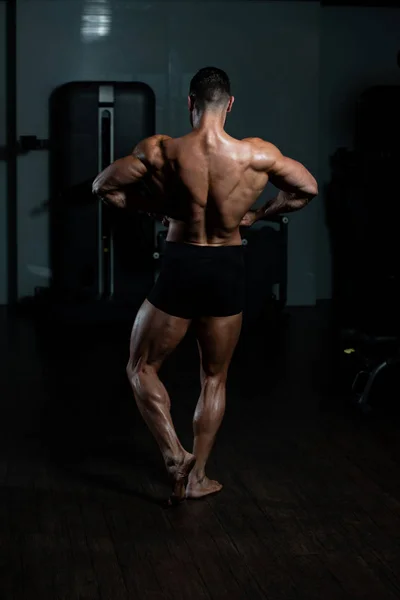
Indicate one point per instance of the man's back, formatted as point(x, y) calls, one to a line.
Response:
point(208, 180)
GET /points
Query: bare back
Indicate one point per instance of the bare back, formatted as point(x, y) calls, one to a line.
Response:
point(205, 182)
point(208, 182)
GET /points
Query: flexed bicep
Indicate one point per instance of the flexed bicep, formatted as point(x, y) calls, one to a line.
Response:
point(125, 182)
point(296, 184)
point(291, 176)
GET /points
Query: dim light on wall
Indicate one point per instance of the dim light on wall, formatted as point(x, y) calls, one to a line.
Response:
point(96, 20)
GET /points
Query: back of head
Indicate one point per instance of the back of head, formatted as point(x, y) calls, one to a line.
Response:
point(210, 88)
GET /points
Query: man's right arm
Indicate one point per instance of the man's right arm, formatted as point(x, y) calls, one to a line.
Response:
point(296, 184)
point(123, 183)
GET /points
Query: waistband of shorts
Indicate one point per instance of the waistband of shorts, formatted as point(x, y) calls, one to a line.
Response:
point(180, 249)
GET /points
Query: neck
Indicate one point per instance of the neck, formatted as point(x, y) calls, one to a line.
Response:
point(209, 119)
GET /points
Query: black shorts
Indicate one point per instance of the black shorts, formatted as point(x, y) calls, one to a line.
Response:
point(200, 281)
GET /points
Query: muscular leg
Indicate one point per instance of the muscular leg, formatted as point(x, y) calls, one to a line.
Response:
point(155, 335)
point(217, 338)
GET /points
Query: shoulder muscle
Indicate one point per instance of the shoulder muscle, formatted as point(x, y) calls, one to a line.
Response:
point(149, 150)
point(264, 154)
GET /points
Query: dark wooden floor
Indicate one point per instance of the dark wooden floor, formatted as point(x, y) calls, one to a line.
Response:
point(311, 503)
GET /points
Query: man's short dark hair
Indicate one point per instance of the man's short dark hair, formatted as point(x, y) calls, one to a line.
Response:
point(210, 86)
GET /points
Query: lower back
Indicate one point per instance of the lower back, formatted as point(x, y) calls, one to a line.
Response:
point(179, 231)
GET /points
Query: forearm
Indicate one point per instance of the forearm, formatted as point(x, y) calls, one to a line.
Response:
point(284, 202)
point(120, 184)
point(296, 185)
point(130, 197)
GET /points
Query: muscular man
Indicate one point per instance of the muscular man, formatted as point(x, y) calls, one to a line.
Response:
point(205, 183)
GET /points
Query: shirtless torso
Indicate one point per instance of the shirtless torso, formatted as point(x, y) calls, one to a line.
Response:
point(205, 183)
point(209, 181)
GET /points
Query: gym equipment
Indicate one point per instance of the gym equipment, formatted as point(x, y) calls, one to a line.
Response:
point(372, 362)
point(370, 380)
point(98, 253)
point(360, 210)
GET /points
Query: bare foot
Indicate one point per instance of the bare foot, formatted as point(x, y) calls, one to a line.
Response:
point(197, 488)
point(179, 471)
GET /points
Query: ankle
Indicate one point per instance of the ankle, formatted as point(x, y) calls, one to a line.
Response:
point(197, 474)
point(173, 460)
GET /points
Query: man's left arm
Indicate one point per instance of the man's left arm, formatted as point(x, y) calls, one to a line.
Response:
point(297, 187)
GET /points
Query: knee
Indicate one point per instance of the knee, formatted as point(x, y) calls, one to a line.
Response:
point(135, 373)
point(143, 379)
point(214, 379)
point(130, 371)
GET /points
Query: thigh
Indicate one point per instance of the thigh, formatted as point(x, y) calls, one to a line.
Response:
point(217, 338)
point(155, 334)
